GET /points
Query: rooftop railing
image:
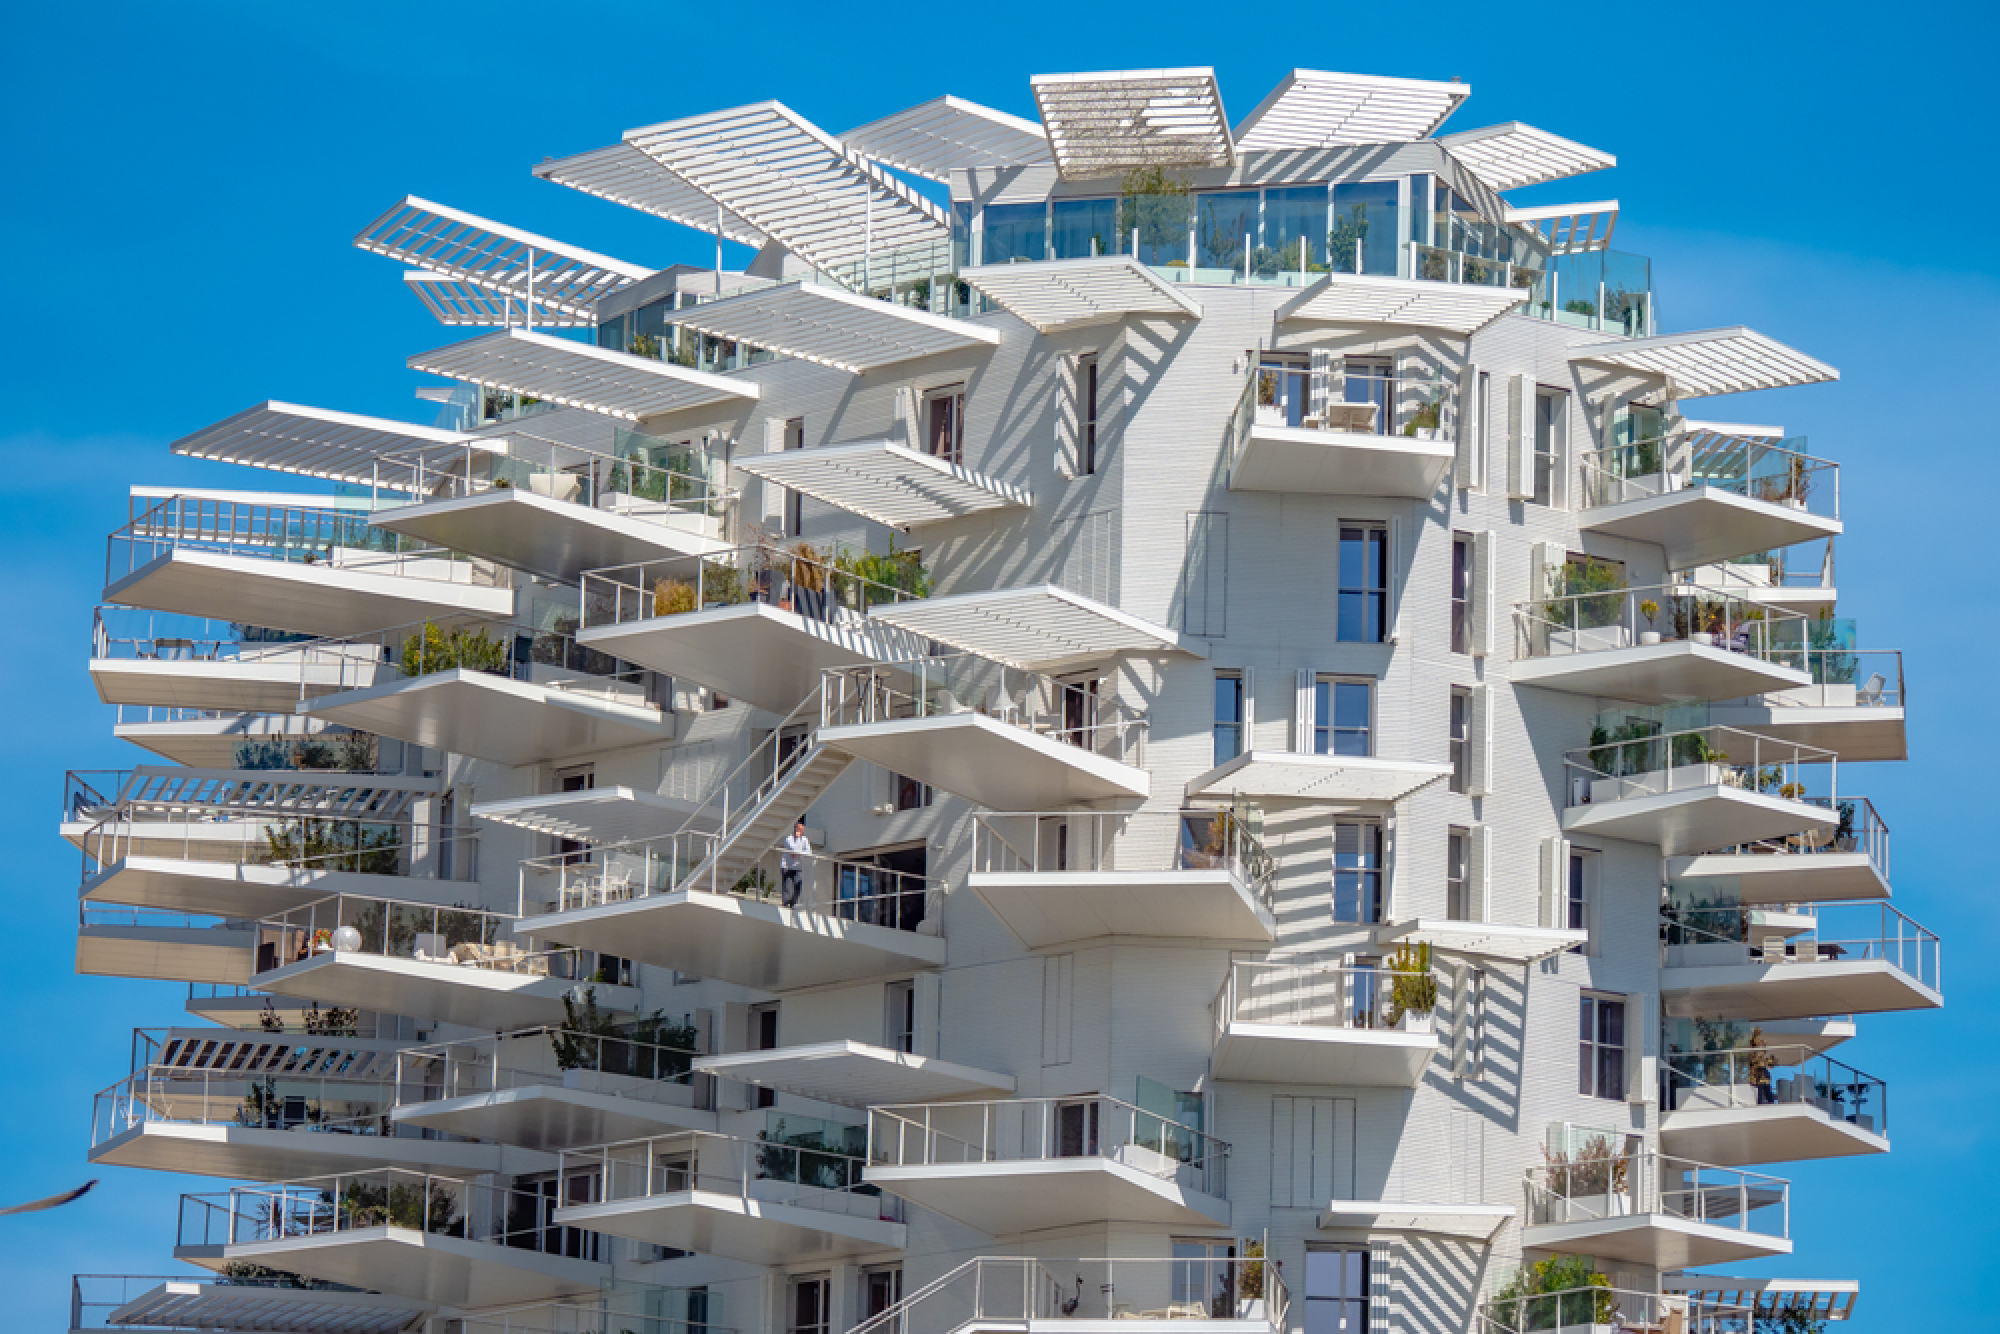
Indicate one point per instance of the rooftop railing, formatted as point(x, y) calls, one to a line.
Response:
point(1051, 842)
point(1014, 1290)
point(319, 1103)
point(1609, 291)
point(651, 1071)
point(1023, 1130)
point(1312, 995)
point(1775, 473)
point(1840, 933)
point(806, 1176)
point(1637, 763)
point(1774, 1076)
point(420, 932)
point(621, 482)
point(1606, 1307)
point(798, 578)
point(1588, 622)
point(95, 1298)
point(1591, 1187)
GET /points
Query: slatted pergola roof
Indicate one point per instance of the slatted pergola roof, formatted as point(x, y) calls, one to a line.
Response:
point(1570, 229)
point(501, 259)
point(1513, 155)
point(1711, 361)
point(460, 305)
point(151, 792)
point(1355, 298)
point(1036, 628)
point(313, 442)
point(834, 327)
point(795, 183)
point(1109, 123)
point(214, 1305)
point(1816, 1298)
point(931, 139)
point(888, 483)
point(1316, 109)
point(228, 1051)
point(625, 175)
point(578, 375)
point(1065, 293)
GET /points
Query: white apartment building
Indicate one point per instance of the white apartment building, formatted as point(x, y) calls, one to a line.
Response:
point(1325, 773)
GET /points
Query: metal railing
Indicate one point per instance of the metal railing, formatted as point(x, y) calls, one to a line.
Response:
point(421, 932)
point(1353, 403)
point(763, 769)
point(1592, 1188)
point(1618, 766)
point(1780, 1076)
point(323, 1103)
point(307, 846)
point(1571, 623)
point(1055, 842)
point(807, 1176)
point(1015, 1289)
point(112, 915)
point(1312, 995)
point(1842, 678)
point(619, 483)
point(95, 1298)
point(798, 578)
point(1613, 1308)
point(1832, 933)
point(1045, 1130)
point(1777, 473)
point(538, 1057)
point(1861, 829)
point(1435, 264)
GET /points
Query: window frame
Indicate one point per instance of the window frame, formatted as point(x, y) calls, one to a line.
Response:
point(1548, 453)
point(1458, 874)
point(1373, 536)
point(1464, 563)
point(953, 394)
point(1367, 878)
point(1600, 1061)
point(1086, 413)
point(1579, 900)
point(1239, 725)
point(1458, 739)
point(1341, 1303)
point(1326, 733)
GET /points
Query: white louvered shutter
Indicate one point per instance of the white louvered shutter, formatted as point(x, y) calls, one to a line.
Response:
point(1396, 579)
point(1520, 438)
point(1069, 417)
point(773, 510)
point(1319, 383)
point(1303, 719)
point(1555, 872)
point(1481, 594)
point(905, 428)
point(1479, 872)
point(1479, 741)
point(1469, 431)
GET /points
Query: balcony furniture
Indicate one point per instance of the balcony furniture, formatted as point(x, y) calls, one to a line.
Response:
point(1870, 694)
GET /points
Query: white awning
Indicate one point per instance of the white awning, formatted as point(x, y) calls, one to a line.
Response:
point(499, 258)
point(796, 183)
point(1316, 109)
point(1816, 1298)
point(577, 375)
point(595, 815)
point(834, 327)
point(624, 175)
point(1712, 361)
point(1064, 293)
point(1337, 780)
point(460, 305)
point(335, 446)
point(1476, 1222)
point(1571, 229)
point(1513, 155)
point(1488, 940)
point(888, 483)
point(947, 132)
point(1353, 298)
point(1109, 123)
point(1037, 628)
point(153, 791)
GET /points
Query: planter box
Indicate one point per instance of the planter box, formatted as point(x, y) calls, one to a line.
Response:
point(1681, 778)
point(1717, 1097)
point(1587, 641)
point(1150, 1161)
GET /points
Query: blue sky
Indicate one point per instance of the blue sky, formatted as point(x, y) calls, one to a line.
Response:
point(185, 181)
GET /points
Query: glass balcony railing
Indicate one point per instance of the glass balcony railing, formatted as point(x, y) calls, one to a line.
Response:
point(1776, 472)
point(422, 933)
point(818, 585)
point(1038, 842)
point(1638, 762)
point(1313, 995)
point(657, 1067)
point(1698, 936)
point(1015, 1291)
point(817, 1172)
point(625, 481)
point(1608, 291)
point(1774, 1076)
point(1416, 407)
point(223, 835)
point(1617, 618)
point(309, 1103)
point(1592, 1187)
point(1596, 1308)
point(1861, 829)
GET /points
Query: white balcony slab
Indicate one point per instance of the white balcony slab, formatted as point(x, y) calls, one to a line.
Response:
point(1699, 812)
point(596, 815)
point(427, 1266)
point(259, 681)
point(1816, 716)
point(242, 1153)
point(1337, 780)
point(480, 998)
point(318, 599)
point(1610, 666)
point(1748, 1135)
point(1815, 1037)
point(1484, 940)
point(854, 1073)
point(217, 841)
point(218, 1307)
point(1653, 1241)
point(1719, 979)
point(168, 953)
point(214, 742)
point(1039, 628)
point(1322, 1054)
point(497, 718)
point(221, 889)
point(584, 1109)
point(755, 651)
point(1044, 908)
point(557, 539)
point(1014, 1196)
point(1070, 293)
point(1702, 524)
point(1469, 1221)
point(753, 1231)
point(1308, 461)
point(1777, 877)
point(745, 941)
point(888, 483)
point(990, 763)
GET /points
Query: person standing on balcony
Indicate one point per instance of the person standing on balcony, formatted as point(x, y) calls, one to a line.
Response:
point(790, 869)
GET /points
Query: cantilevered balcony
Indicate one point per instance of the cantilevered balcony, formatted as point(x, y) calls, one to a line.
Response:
point(1605, 1308)
point(1848, 863)
point(459, 965)
point(758, 1202)
point(1032, 1163)
point(219, 1303)
point(1342, 434)
point(1313, 1023)
point(999, 736)
point(859, 1074)
point(1854, 707)
point(758, 623)
point(1794, 579)
point(1652, 645)
point(1752, 964)
point(1654, 1211)
point(405, 1234)
point(310, 570)
point(187, 662)
point(165, 946)
point(208, 739)
point(1711, 493)
point(1059, 876)
point(1340, 781)
point(552, 1088)
point(1707, 787)
point(1772, 1103)
point(1143, 1294)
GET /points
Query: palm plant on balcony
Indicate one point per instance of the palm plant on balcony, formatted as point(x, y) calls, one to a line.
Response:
point(1426, 421)
point(1413, 987)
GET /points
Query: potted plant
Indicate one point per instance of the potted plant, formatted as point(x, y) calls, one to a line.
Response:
point(1425, 421)
point(1413, 988)
point(1651, 611)
point(672, 597)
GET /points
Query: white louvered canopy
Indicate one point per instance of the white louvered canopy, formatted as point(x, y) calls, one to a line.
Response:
point(1357, 298)
point(1513, 155)
point(1570, 229)
point(947, 132)
point(1487, 940)
point(312, 442)
point(834, 327)
point(1816, 1298)
point(1316, 109)
point(499, 258)
point(795, 183)
point(1064, 293)
point(1109, 123)
point(577, 375)
point(1347, 780)
point(1036, 628)
point(597, 815)
point(460, 305)
point(1471, 1220)
point(625, 175)
point(886, 482)
point(153, 791)
point(1711, 361)
point(213, 1305)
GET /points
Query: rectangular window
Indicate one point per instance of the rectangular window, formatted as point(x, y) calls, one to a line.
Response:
point(764, 1037)
point(1483, 407)
point(1079, 713)
point(1228, 716)
point(910, 794)
point(1371, 381)
point(1457, 863)
point(900, 1027)
point(1461, 739)
point(1085, 228)
point(1295, 217)
point(1223, 224)
point(944, 423)
point(1363, 600)
point(1342, 716)
point(795, 501)
point(1337, 1291)
point(1577, 896)
point(1461, 592)
point(1010, 232)
point(1600, 1064)
point(1357, 871)
point(1086, 385)
point(1284, 386)
point(1550, 406)
point(881, 1288)
point(1367, 227)
point(807, 1308)
point(1076, 1129)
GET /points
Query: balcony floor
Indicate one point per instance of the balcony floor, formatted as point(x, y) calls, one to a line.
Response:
point(1008, 1198)
point(1696, 818)
point(1308, 461)
point(1702, 525)
point(557, 539)
point(1044, 908)
point(1473, 1222)
point(427, 1267)
point(239, 1153)
point(266, 684)
point(1752, 991)
point(1767, 878)
point(479, 998)
point(167, 953)
point(990, 763)
point(213, 743)
point(855, 1073)
point(1311, 1054)
point(552, 1117)
point(1751, 1136)
point(757, 1232)
point(1653, 1241)
point(221, 889)
point(1656, 673)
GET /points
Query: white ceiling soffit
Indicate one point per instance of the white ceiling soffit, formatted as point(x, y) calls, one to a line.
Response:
point(624, 175)
point(1570, 229)
point(312, 442)
point(1712, 361)
point(460, 305)
point(1107, 124)
point(578, 375)
point(947, 132)
point(497, 257)
point(1063, 293)
point(1513, 155)
point(888, 483)
point(795, 183)
point(1351, 298)
point(834, 327)
point(1315, 109)
point(1033, 628)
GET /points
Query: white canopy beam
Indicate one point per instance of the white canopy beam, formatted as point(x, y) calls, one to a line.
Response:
point(1510, 156)
point(1570, 229)
point(624, 175)
point(1710, 361)
point(1315, 109)
point(947, 132)
point(577, 375)
point(1065, 293)
point(1108, 123)
point(313, 442)
point(1355, 298)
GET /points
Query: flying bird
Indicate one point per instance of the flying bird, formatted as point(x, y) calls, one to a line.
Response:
point(53, 1201)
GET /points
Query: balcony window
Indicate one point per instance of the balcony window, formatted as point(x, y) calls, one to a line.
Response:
point(1204, 1277)
point(1461, 592)
point(1337, 1291)
point(1015, 232)
point(1367, 227)
point(1363, 600)
point(1295, 215)
point(1224, 223)
point(1600, 1066)
point(1341, 717)
point(1076, 1129)
point(1550, 423)
point(1357, 871)
point(1577, 895)
point(910, 795)
point(1457, 890)
point(808, 1309)
point(1084, 228)
point(1086, 383)
point(1461, 739)
point(881, 1288)
point(1371, 380)
point(944, 423)
point(795, 512)
point(1229, 719)
point(901, 1005)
